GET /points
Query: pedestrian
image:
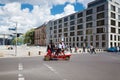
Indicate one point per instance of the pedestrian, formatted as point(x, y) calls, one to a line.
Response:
point(70, 49)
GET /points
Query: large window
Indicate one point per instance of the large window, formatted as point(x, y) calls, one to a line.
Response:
point(79, 32)
point(65, 29)
point(111, 37)
point(65, 34)
point(60, 30)
point(65, 24)
point(88, 12)
point(89, 25)
point(97, 37)
point(113, 22)
point(100, 15)
point(60, 26)
point(80, 26)
point(118, 31)
point(55, 22)
point(118, 24)
point(103, 37)
point(100, 22)
point(89, 18)
point(72, 17)
point(113, 8)
point(72, 28)
point(55, 27)
point(113, 30)
point(72, 22)
point(79, 15)
point(100, 30)
point(60, 21)
point(118, 10)
point(100, 8)
point(113, 15)
point(89, 31)
point(79, 21)
point(65, 19)
point(118, 17)
point(72, 33)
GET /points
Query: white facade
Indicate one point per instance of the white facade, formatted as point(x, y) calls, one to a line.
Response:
point(94, 25)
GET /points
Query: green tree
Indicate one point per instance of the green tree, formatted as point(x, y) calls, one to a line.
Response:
point(29, 37)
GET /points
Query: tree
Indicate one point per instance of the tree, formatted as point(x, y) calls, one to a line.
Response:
point(29, 37)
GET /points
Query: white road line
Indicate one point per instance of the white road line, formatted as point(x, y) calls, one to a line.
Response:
point(20, 75)
point(53, 70)
point(20, 66)
point(49, 67)
point(21, 78)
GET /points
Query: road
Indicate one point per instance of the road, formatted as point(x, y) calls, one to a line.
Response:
point(102, 66)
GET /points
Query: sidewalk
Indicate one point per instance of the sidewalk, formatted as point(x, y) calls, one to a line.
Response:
point(22, 51)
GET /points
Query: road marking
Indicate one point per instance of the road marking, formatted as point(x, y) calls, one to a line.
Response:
point(20, 75)
point(49, 67)
point(21, 78)
point(20, 66)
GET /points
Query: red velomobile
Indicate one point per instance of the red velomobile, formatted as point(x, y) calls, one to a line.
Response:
point(62, 56)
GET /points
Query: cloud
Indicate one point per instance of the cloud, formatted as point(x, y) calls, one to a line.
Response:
point(11, 13)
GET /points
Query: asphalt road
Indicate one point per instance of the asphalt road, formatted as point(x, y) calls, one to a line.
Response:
point(102, 66)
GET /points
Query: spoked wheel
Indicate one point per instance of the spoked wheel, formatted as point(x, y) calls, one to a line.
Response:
point(46, 58)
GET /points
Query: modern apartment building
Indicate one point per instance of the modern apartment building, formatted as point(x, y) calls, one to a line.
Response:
point(98, 25)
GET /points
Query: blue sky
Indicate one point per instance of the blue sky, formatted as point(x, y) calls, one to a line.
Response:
point(57, 9)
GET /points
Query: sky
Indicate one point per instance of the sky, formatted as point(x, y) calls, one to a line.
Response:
point(27, 14)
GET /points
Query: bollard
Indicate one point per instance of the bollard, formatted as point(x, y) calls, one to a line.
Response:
point(39, 52)
point(29, 53)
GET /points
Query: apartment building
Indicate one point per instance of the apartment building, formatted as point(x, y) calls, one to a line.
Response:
point(40, 35)
point(98, 25)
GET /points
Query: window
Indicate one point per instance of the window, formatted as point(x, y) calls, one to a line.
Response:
point(115, 37)
point(65, 29)
point(72, 28)
point(100, 15)
point(65, 34)
point(79, 21)
point(103, 44)
point(100, 8)
point(77, 38)
point(89, 18)
point(111, 37)
point(97, 37)
point(79, 32)
point(118, 24)
point(81, 38)
point(118, 31)
point(113, 30)
point(50, 28)
point(118, 17)
point(72, 33)
point(112, 8)
point(80, 26)
point(100, 30)
point(65, 19)
point(103, 37)
point(60, 30)
point(118, 38)
point(97, 44)
point(60, 26)
point(55, 22)
point(89, 25)
point(91, 38)
point(72, 22)
point(113, 15)
point(55, 27)
point(72, 17)
point(55, 31)
point(60, 21)
point(79, 15)
point(100, 22)
point(89, 31)
point(88, 12)
point(65, 24)
point(113, 22)
point(118, 10)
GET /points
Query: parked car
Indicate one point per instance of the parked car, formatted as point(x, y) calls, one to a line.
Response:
point(112, 49)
